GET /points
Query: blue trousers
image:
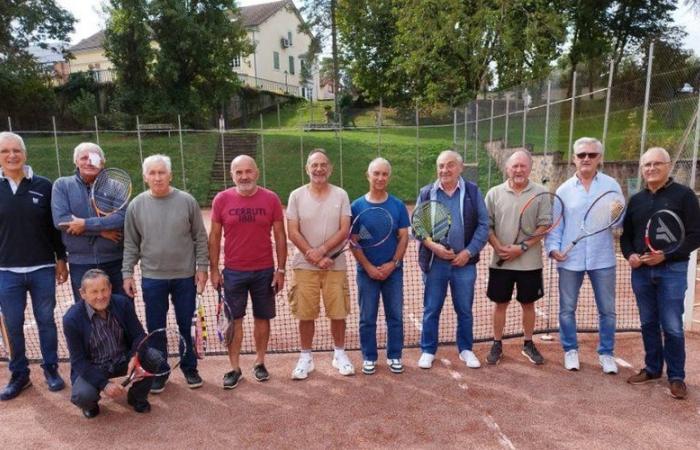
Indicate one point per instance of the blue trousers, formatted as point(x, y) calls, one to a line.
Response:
point(391, 291)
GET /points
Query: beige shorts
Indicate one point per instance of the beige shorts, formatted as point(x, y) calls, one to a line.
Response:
point(309, 285)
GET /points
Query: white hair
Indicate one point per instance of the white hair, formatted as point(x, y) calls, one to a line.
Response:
point(155, 159)
point(509, 161)
point(10, 135)
point(664, 153)
point(88, 147)
point(452, 153)
point(586, 141)
point(377, 161)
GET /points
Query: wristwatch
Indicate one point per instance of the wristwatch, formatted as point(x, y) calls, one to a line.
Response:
point(398, 263)
point(524, 247)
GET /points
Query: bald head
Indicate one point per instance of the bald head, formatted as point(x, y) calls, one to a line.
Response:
point(656, 167)
point(244, 172)
point(243, 159)
point(521, 156)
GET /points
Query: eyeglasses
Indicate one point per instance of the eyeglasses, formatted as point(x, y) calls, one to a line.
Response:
point(584, 154)
point(655, 164)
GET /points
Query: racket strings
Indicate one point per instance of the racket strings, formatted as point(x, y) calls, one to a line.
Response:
point(111, 190)
point(603, 214)
point(371, 227)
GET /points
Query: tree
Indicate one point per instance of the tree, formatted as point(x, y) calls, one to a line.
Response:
point(24, 84)
point(197, 43)
point(128, 44)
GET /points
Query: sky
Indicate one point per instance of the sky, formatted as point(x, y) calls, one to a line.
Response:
point(90, 19)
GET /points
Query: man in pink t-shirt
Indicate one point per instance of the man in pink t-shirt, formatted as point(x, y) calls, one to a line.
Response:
point(246, 214)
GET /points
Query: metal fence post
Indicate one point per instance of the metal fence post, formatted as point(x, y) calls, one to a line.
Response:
point(571, 119)
point(55, 140)
point(182, 153)
point(301, 153)
point(262, 155)
point(379, 127)
point(606, 117)
point(526, 104)
point(546, 117)
point(222, 127)
point(9, 124)
point(340, 143)
point(695, 147)
point(465, 132)
point(138, 138)
point(279, 121)
point(476, 131)
point(690, 304)
point(505, 131)
point(643, 141)
point(417, 151)
point(454, 128)
point(490, 141)
point(97, 131)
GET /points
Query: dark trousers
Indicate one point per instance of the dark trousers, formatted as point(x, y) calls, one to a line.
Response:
point(85, 396)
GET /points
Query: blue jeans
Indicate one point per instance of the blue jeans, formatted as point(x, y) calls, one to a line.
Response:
point(603, 282)
point(461, 281)
point(183, 293)
point(41, 285)
point(660, 293)
point(391, 290)
point(113, 269)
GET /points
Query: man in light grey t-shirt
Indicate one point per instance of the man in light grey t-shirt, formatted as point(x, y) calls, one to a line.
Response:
point(165, 231)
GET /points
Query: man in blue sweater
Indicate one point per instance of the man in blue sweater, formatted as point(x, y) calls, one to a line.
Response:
point(32, 259)
point(102, 333)
point(91, 241)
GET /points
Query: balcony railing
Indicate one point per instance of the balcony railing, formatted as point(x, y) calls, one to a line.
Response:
point(269, 85)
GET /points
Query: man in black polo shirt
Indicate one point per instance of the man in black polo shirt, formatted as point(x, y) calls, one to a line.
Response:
point(659, 281)
point(102, 333)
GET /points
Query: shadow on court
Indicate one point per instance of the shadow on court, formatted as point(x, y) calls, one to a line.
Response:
point(512, 405)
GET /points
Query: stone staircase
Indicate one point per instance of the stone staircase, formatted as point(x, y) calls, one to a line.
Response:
point(234, 145)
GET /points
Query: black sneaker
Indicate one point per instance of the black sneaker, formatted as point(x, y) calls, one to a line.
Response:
point(531, 353)
point(53, 379)
point(193, 379)
point(232, 378)
point(92, 412)
point(260, 372)
point(496, 353)
point(140, 406)
point(19, 381)
point(158, 385)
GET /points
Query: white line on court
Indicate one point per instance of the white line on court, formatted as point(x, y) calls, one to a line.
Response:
point(453, 373)
point(502, 438)
point(623, 363)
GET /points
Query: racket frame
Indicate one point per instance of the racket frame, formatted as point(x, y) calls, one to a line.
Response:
point(143, 373)
point(222, 310)
point(350, 243)
point(584, 234)
point(104, 174)
point(420, 210)
point(647, 239)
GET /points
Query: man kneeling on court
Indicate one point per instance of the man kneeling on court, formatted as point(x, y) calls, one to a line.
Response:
point(102, 332)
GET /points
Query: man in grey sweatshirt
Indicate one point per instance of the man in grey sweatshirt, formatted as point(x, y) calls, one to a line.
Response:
point(165, 231)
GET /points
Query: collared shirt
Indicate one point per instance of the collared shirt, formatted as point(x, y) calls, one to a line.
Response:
point(106, 339)
point(28, 174)
point(504, 206)
point(591, 253)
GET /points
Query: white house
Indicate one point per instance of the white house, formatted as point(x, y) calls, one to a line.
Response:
point(274, 66)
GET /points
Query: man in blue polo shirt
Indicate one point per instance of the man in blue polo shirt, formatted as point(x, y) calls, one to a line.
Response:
point(32, 259)
point(453, 264)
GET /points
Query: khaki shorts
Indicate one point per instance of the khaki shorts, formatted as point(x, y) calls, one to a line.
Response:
point(307, 288)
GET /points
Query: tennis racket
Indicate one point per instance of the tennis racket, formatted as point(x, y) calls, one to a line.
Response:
point(151, 361)
point(546, 203)
point(664, 232)
point(199, 329)
point(604, 212)
point(4, 336)
point(371, 228)
point(224, 324)
point(431, 221)
point(110, 191)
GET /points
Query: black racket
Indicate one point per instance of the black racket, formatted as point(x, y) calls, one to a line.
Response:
point(431, 220)
point(604, 212)
point(546, 204)
point(110, 191)
point(664, 232)
point(224, 320)
point(371, 228)
point(151, 361)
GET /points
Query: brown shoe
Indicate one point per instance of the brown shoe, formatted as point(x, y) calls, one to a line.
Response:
point(678, 389)
point(642, 377)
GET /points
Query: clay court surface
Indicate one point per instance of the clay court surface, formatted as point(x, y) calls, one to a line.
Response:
point(512, 405)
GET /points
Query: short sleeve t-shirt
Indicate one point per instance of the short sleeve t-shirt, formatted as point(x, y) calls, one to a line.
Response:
point(319, 219)
point(397, 210)
point(247, 224)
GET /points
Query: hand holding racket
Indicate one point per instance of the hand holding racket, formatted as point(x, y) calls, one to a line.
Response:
point(151, 362)
point(371, 228)
point(199, 329)
point(431, 221)
point(663, 235)
point(224, 325)
point(604, 213)
point(545, 205)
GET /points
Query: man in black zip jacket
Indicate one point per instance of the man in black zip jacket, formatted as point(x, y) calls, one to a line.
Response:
point(659, 280)
point(32, 259)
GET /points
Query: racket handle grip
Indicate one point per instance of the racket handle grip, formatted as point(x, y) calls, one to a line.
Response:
point(126, 382)
point(568, 248)
point(500, 262)
point(336, 254)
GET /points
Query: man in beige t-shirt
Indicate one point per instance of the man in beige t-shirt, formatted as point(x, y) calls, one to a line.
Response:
point(318, 220)
point(522, 266)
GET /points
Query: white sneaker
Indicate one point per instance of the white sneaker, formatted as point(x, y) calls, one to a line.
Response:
point(369, 367)
point(343, 364)
point(470, 359)
point(571, 360)
point(395, 365)
point(304, 367)
point(608, 364)
point(426, 360)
